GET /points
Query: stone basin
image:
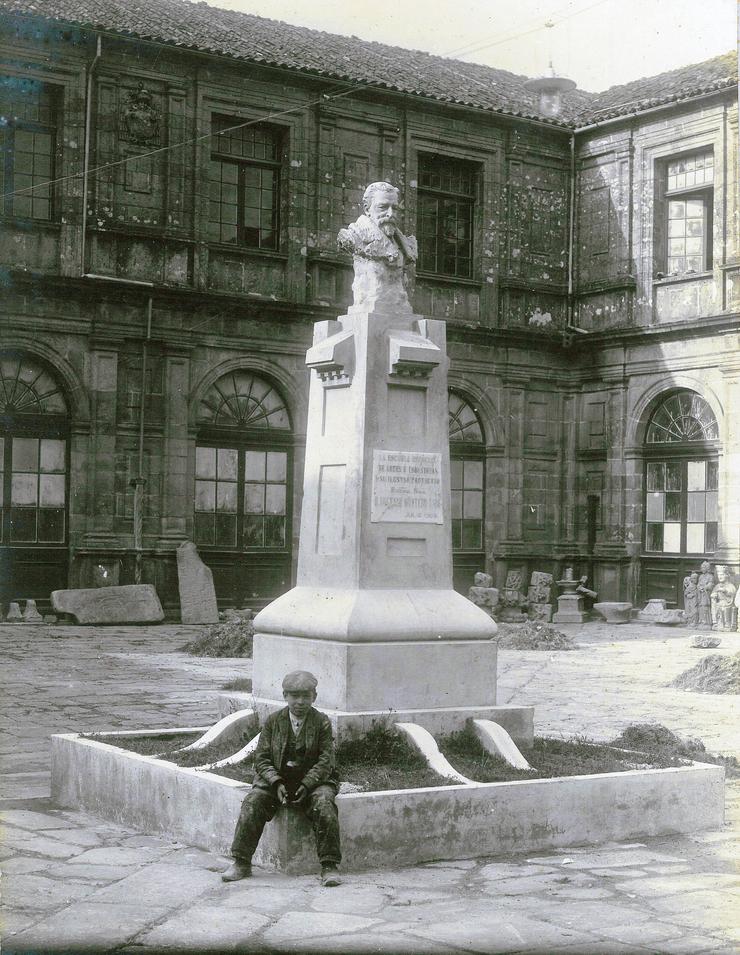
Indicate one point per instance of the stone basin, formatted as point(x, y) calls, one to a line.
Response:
point(392, 828)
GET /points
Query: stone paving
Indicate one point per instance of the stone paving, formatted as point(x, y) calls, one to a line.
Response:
point(77, 884)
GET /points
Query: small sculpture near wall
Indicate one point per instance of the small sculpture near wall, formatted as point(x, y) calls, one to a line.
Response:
point(691, 599)
point(705, 585)
point(483, 594)
point(723, 600)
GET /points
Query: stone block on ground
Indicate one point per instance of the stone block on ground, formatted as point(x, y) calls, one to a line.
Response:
point(132, 603)
point(701, 641)
point(614, 611)
point(30, 612)
point(541, 612)
point(540, 588)
point(195, 582)
point(14, 613)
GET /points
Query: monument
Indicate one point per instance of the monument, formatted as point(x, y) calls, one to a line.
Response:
point(373, 614)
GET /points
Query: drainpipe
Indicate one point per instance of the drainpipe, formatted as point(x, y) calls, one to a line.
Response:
point(571, 227)
point(139, 482)
point(86, 155)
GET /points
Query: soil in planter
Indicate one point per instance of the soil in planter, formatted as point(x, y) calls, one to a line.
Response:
point(549, 758)
point(715, 673)
point(146, 745)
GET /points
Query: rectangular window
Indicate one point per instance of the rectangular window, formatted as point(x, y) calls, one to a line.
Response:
point(681, 507)
point(467, 504)
point(445, 215)
point(241, 498)
point(244, 184)
point(688, 200)
point(38, 490)
point(28, 124)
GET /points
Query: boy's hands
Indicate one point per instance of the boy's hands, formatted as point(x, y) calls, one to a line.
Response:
point(282, 794)
point(300, 794)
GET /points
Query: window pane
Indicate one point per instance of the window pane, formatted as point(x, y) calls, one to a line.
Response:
point(23, 524)
point(471, 535)
point(695, 538)
point(228, 460)
point(253, 531)
point(275, 499)
point(204, 525)
point(711, 537)
point(456, 504)
point(51, 490)
point(274, 531)
point(671, 538)
point(696, 476)
point(456, 535)
point(672, 507)
point(226, 497)
point(277, 466)
point(205, 495)
point(51, 525)
point(456, 472)
point(52, 455)
point(226, 530)
point(655, 476)
point(696, 511)
point(24, 489)
point(655, 537)
point(205, 462)
point(655, 506)
point(474, 474)
point(711, 504)
point(473, 504)
point(254, 463)
point(254, 498)
point(712, 472)
point(25, 454)
point(673, 477)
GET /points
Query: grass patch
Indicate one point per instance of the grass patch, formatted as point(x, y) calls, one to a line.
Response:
point(146, 745)
point(232, 638)
point(533, 636)
point(550, 758)
point(243, 684)
point(715, 673)
point(382, 759)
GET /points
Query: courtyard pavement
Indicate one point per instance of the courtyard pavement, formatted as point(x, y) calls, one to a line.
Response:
point(77, 884)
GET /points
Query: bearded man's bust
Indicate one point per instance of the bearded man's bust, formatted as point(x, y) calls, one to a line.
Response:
point(383, 255)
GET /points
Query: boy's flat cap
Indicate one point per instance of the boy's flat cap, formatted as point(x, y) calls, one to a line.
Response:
point(300, 680)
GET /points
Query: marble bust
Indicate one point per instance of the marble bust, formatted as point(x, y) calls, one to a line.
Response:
point(382, 254)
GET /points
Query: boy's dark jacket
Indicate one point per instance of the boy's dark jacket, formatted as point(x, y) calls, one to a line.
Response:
point(319, 750)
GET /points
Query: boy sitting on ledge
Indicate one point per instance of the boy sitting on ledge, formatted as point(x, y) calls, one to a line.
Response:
point(294, 765)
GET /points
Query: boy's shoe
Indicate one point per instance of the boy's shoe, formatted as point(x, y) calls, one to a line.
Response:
point(237, 870)
point(329, 875)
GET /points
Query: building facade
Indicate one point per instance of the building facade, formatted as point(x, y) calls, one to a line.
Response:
point(159, 297)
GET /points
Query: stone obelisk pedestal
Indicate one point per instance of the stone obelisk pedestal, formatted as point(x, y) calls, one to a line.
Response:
point(374, 615)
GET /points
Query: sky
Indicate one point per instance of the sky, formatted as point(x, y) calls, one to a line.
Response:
point(597, 43)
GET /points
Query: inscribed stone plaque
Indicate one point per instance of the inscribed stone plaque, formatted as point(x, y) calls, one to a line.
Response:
point(407, 487)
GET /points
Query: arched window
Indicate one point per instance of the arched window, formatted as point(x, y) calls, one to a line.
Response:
point(33, 479)
point(243, 483)
point(467, 485)
point(681, 477)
